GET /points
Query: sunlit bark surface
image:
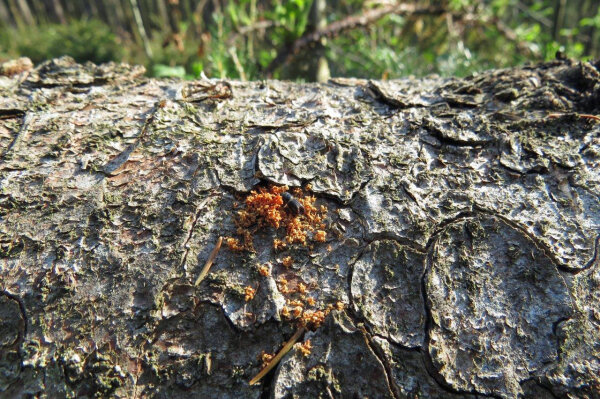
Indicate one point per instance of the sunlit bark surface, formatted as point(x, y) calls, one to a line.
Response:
point(461, 247)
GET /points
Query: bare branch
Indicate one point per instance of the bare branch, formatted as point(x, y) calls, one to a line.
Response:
point(336, 28)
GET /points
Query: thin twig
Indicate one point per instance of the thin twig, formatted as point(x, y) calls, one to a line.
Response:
point(237, 63)
point(209, 262)
point(589, 116)
point(286, 348)
point(245, 30)
point(586, 116)
point(472, 19)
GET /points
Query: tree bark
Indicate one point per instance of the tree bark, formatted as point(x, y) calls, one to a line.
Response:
point(461, 235)
point(141, 30)
point(5, 15)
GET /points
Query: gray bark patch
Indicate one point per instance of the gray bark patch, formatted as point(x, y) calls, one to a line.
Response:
point(341, 364)
point(494, 299)
point(197, 353)
point(386, 291)
point(410, 376)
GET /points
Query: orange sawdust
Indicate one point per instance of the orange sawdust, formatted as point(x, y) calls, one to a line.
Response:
point(264, 270)
point(265, 357)
point(297, 221)
point(249, 293)
point(305, 348)
point(288, 261)
point(234, 244)
point(320, 236)
point(264, 208)
point(301, 288)
point(282, 284)
point(295, 302)
point(313, 319)
point(278, 244)
point(297, 311)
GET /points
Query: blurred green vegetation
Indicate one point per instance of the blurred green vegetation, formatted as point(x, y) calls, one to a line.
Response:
point(81, 39)
point(240, 39)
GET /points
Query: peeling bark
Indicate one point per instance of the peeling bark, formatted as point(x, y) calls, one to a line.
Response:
point(462, 234)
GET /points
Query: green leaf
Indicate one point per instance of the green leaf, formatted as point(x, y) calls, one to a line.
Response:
point(197, 68)
point(165, 71)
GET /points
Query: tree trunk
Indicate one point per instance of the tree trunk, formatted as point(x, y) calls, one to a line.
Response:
point(59, 11)
point(5, 15)
point(457, 257)
point(141, 30)
point(559, 16)
point(26, 12)
point(162, 11)
point(319, 67)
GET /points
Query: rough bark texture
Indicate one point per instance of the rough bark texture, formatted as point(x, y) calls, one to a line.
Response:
point(462, 234)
